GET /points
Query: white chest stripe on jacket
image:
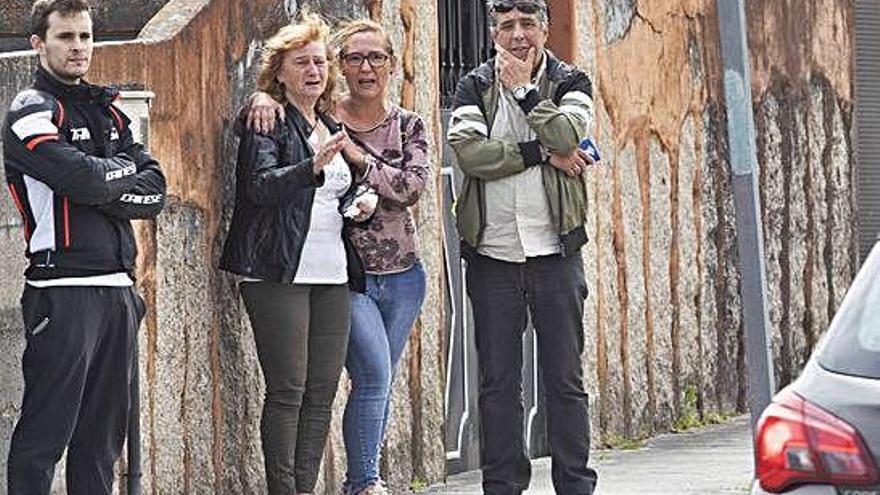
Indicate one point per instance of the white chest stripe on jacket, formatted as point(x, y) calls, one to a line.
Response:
point(41, 200)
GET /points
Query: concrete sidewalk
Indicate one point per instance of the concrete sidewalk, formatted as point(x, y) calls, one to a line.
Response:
point(710, 461)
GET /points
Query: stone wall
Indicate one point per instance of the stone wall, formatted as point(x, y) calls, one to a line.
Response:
point(14, 73)
point(664, 317)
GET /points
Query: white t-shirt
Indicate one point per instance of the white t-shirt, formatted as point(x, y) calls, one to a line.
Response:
point(322, 260)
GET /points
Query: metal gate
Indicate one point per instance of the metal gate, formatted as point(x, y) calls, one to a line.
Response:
point(867, 89)
point(464, 43)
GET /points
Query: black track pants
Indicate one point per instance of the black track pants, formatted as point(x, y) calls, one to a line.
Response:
point(77, 369)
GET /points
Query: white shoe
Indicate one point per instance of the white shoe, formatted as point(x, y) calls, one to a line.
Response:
point(374, 489)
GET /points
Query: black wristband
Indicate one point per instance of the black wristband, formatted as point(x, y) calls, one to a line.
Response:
point(531, 153)
point(530, 101)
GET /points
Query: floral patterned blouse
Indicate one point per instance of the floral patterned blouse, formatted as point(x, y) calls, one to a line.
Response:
point(388, 242)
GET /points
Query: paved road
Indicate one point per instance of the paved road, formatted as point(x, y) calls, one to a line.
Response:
point(710, 461)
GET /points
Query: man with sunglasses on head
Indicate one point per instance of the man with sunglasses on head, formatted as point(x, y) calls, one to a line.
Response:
point(515, 128)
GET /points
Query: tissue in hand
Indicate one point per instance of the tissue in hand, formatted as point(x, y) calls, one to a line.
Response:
point(364, 203)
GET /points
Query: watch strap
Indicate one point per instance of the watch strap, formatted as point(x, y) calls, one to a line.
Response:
point(530, 100)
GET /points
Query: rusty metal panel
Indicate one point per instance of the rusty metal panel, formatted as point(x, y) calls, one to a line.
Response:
point(867, 86)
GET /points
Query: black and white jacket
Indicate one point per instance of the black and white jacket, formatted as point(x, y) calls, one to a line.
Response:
point(77, 178)
point(560, 113)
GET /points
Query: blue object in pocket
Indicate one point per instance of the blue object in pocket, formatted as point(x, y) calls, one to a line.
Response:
point(591, 149)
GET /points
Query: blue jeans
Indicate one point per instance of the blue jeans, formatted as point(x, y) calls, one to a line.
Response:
point(381, 322)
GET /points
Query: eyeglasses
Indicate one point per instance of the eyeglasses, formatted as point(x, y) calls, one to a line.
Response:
point(524, 6)
point(377, 60)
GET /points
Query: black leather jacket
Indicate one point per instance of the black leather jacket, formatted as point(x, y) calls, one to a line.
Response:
point(273, 203)
point(77, 177)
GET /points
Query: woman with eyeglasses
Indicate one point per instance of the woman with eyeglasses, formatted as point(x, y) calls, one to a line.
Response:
point(389, 148)
point(286, 242)
point(388, 151)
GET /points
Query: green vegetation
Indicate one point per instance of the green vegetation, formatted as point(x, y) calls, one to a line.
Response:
point(620, 442)
point(418, 485)
point(690, 416)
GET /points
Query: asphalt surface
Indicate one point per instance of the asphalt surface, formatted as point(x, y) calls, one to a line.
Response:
point(716, 460)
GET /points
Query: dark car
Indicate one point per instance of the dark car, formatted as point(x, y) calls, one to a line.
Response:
point(821, 434)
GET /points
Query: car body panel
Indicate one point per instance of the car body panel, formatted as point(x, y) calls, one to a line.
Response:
point(833, 379)
point(855, 400)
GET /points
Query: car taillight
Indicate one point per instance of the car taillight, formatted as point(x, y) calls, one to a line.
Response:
point(798, 442)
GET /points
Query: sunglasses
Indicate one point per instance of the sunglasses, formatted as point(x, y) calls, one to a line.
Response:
point(356, 60)
point(524, 6)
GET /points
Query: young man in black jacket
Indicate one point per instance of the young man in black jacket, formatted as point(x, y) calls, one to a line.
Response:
point(77, 178)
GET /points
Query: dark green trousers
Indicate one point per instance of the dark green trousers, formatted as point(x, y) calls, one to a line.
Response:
point(301, 332)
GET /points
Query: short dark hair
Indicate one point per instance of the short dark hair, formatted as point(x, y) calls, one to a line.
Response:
point(42, 9)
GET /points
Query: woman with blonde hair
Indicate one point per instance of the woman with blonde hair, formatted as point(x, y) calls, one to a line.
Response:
point(286, 240)
point(388, 151)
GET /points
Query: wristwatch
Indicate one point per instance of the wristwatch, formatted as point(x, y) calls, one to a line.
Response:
point(520, 92)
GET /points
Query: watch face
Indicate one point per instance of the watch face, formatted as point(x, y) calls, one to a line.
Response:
point(520, 92)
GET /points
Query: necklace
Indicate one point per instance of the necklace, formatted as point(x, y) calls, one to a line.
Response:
point(357, 125)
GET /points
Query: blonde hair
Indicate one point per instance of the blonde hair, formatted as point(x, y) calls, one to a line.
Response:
point(310, 29)
point(357, 26)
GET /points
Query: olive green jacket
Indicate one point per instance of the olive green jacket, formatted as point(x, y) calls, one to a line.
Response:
point(560, 113)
